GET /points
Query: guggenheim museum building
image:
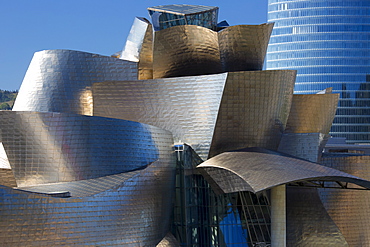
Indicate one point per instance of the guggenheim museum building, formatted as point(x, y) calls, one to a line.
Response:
point(180, 139)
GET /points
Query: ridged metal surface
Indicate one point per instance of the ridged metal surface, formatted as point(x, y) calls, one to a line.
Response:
point(254, 110)
point(257, 171)
point(60, 80)
point(7, 177)
point(349, 211)
point(165, 103)
point(60, 147)
point(139, 48)
point(308, 146)
point(243, 47)
point(134, 212)
point(185, 50)
point(312, 113)
point(308, 223)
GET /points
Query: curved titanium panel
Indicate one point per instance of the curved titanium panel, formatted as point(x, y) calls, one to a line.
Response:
point(350, 211)
point(7, 177)
point(186, 106)
point(253, 111)
point(135, 212)
point(57, 147)
point(256, 171)
point(312, 113)
point(308, 223)
point(243, 47)
point(139, 48)
point(185, 50)
point(308, 146)
point(60, 80)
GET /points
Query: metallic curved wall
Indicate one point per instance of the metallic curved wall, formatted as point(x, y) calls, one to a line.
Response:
point(59, 80)
point(134, 213)
point(308, 223)
point(243, 47)
point(327, 42)
point(186, 106)
point(56, 147)
point(139, 48)
point(312, 113)
point(185, 50)
point(253, 111)
point(349, 211)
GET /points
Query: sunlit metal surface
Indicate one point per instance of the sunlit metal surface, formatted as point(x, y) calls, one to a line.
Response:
point(4, 162)
point(139, 48)
point(349, 211)
point(169, 241)
point(165, 16)
point(308, 223)
point(7, 177)
point(312, 113)
point(164, 103)
point(132, 213)
point(57, 147)
point(185, 50)
point(253, 111)
point(57, 80)
point(256, 171)
point(243, 47)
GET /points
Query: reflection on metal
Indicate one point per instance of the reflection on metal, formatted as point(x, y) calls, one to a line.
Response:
point(308, 146)
point(203, 218)
point(139, 48)
point(349, 211)
point(7, 177)
point(253, 111)
point(132, 212)
point(243, 47)
point(164, 103)
point(169, 241)
point(57, 147)
point(185, 50)
point(166, 16)
point(312, 113)
point(56, 80)
point(308, 223)
point(256, 170)
point(4, 162)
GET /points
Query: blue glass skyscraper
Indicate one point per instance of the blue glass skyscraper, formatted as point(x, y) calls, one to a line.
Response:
point(328, 43)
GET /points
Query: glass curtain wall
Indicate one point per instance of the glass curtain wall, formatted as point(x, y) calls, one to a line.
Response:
point(203, 218)
point(328, 43)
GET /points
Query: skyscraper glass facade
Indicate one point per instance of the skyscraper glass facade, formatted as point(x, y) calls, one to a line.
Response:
point(328, 43)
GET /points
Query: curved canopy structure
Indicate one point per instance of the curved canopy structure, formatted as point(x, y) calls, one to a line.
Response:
point(256, 170)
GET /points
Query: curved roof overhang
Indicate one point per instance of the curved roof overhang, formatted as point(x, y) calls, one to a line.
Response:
point(256, 170)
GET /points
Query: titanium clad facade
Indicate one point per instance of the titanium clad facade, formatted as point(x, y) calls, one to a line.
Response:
point(133, 213)
point(184, 51)
point(57, 147)
point(56, 77)
point(313, 113)
point(258, 170)
point(165, 103)
point(308, 222)
point(308, 146)
point(327, 42)
point(241, 51)
point(349, 211)
point(139, 47)
point(253, 111)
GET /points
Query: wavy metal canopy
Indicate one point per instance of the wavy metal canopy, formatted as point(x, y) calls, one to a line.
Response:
point(256, 169)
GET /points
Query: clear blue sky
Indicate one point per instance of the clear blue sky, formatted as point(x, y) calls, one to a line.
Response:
point(97, 26)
